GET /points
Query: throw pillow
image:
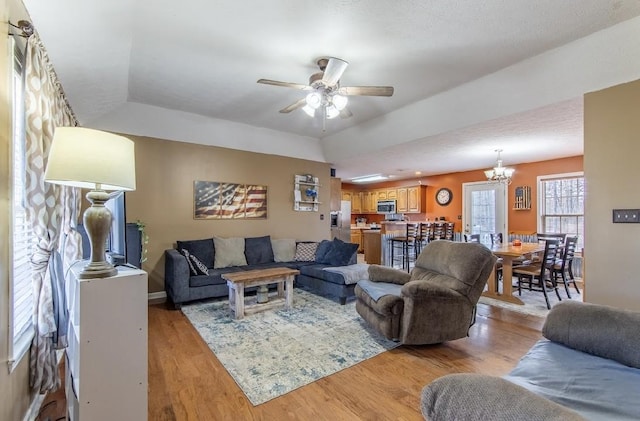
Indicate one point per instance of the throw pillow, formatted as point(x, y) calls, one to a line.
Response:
point(324, 247)
point(201, 249)
point(229, 252)
point(340, 254)
point(306, 252)
point(196, 267)
point(258, 250)
point(354, 257)
point(284, 249)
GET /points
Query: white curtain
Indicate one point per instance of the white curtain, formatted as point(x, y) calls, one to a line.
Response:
point(52, 211)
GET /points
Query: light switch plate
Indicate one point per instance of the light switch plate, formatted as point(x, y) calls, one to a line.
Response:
point(626, 216)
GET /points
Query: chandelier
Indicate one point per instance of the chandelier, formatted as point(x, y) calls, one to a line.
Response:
point(499, 173)
point(329, 103)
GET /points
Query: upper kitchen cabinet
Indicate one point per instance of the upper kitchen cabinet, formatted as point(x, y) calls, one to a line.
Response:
point(417, 199)
point(401, 200)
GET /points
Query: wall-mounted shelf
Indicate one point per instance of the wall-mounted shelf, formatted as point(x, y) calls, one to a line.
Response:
point(302, 201)
point(522, 200)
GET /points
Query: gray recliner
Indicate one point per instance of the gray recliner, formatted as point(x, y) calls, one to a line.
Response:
point(432, 304)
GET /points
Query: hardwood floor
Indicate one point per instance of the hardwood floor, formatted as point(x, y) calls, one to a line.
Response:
point(187, 382)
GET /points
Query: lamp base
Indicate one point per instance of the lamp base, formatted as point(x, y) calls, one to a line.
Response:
point(98, 270)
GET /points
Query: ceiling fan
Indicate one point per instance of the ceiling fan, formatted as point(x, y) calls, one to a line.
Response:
point(326, 95)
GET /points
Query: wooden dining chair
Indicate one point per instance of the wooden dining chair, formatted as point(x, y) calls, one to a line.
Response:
point(539, 276)
point(562, 269)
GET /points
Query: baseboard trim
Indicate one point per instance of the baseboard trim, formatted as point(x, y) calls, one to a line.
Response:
point(157, 296)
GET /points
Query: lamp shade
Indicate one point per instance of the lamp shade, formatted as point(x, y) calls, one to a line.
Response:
point(82, 157)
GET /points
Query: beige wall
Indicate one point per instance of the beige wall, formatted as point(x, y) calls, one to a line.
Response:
point(15, 396)
point(163, 199)
point(612, 171)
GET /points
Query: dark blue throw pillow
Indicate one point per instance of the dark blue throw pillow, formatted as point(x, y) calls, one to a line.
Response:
point(258, 250)
point(324, 247)
point(341, 253)
point(201, 249)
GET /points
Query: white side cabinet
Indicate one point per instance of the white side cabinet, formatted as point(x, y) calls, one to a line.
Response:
point(106, 372)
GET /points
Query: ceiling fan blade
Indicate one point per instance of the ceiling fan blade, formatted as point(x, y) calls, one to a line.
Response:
point(285, 84)
point(298, 104)
point(366, 90)
point(345, 113)
point(334, 70)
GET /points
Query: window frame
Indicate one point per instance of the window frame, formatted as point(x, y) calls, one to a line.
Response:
point(541, 199)
point(18, 342)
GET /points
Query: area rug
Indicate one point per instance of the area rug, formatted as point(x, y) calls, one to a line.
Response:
point(534, 303)
point(276, 351)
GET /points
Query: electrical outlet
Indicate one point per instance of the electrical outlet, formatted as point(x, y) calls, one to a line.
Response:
point(626, 216)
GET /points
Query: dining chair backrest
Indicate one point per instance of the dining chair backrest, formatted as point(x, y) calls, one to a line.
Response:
point(472, 238)
point(426, 231)
point(438, 230)
point(551, 236)
point(551, 248)
point(569, 251)
point(496, 238)
point(411, 230)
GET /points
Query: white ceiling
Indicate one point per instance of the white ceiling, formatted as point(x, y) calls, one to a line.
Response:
point(199, 60)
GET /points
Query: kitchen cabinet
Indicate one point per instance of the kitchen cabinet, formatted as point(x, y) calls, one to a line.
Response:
point(356, 202)
point(369, 202)
point(401, 200)
point(392, 194)
point(382, 194)
point(356, 238)
point(372, 244)
point(416, 199)
point(335, 194)
point(346, 195)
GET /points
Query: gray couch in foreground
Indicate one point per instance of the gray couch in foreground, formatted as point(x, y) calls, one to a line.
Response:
point(185, 281)
point(587, 366)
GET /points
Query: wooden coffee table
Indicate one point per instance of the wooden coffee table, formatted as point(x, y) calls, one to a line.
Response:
point(238, 281)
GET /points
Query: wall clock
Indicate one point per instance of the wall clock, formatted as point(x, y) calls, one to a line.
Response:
point(444, 196)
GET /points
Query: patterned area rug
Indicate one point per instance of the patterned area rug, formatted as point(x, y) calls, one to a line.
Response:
point(534, 303)
point(276, 351)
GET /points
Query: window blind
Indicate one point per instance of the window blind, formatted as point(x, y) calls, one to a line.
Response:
point(21, 293)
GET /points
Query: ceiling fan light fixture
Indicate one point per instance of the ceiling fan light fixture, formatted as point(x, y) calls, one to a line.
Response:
point(339, 101)
point(311, 112)
point(332, 112)
point(314, 100)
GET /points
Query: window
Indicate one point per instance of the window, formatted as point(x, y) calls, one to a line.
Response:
point(561, 205)
point(21, 311)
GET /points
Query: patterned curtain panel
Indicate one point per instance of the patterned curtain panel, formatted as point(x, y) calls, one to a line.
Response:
point(52, 211)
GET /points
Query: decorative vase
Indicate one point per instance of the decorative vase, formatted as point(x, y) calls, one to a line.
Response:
point(262, 294)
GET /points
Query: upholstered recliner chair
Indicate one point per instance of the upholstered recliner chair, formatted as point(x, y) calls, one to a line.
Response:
point(432, 304)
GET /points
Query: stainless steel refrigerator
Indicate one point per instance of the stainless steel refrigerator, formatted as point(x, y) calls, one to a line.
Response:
point(341, 222)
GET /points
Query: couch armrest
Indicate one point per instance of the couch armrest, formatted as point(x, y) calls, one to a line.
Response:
point(481, 397)
point(600, 330)
point(176, 276)
point(419, 289)
point(378, 273)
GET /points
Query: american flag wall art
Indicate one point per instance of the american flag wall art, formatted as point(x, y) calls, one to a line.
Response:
point(220, 200)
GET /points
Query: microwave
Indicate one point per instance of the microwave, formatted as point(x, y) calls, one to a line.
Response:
point(386, 206)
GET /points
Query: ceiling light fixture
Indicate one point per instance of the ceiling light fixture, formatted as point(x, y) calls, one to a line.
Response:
point(499, 173)
point(366, 178)
point(330, 104)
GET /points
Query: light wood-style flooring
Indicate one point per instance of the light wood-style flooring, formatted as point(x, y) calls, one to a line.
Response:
point(187, 382)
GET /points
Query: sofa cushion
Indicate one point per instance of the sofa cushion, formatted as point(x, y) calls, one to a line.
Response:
point(315, 270)
point(284, 249)
point(229, 252)
point(202, 249)
point(196, 267)
point(600, 330)
point(340, 253)
point(258, 250)
point(324, 247)
point(306, 252)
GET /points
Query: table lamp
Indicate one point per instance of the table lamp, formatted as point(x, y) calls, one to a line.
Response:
point(96, 160)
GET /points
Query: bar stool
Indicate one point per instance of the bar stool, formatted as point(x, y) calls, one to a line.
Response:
point(448, 231)
point(407, 242)
point(425, 234)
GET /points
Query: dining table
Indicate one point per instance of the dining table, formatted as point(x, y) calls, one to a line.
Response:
point(508, 252)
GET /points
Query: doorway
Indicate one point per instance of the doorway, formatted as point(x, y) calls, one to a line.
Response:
point(484, 210)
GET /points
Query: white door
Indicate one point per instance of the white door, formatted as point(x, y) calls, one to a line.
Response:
point(484, 210)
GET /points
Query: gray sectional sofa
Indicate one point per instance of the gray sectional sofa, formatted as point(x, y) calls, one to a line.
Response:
point(587, 366)
point(193, 269)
